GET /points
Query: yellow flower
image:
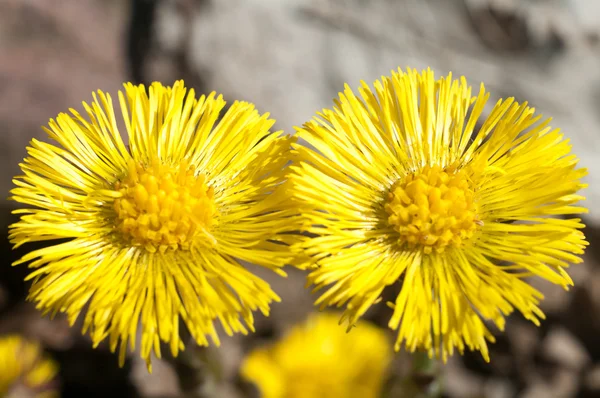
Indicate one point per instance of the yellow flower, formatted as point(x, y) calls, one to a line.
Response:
point(24, 367)
point(406, 189)
point(319, 359)
point(157, 227)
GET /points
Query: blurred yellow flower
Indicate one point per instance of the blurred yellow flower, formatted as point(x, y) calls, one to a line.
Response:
point(157, 228)
point(319, 359)
point(404, 188)
point(24, 368)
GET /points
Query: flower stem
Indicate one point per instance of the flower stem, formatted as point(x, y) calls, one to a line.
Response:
point(198, 370)
point(426, 375)
point(424, 379)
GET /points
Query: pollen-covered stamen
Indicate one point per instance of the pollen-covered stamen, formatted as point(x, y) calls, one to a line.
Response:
point(163, 207)
point(433, 209)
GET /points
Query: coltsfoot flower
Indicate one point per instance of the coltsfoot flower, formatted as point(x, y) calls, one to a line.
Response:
point(158, 226)
point(319, 359)
point(26, 370)
point(405, 188)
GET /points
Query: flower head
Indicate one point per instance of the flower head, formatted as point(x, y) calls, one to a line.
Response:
point(25, 368)
point(319, 359)
point(158, 227)
point(405, 188)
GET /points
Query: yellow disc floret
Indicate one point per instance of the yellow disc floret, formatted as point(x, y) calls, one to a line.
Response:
point(433, 209)
point(163, 207)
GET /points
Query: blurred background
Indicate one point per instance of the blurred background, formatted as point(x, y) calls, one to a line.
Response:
point(291, 57)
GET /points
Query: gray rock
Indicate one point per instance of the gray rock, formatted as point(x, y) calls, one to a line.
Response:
point(292, 57)
point(562, 347)
point(54, 54)
point(563, 385)
point(592, 379)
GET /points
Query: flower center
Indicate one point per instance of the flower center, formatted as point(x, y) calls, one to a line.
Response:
point(163, 207)
point(433, 209)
